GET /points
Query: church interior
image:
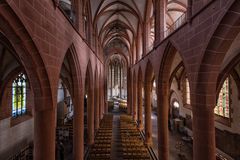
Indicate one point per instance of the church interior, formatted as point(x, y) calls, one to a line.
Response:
point(120, 79)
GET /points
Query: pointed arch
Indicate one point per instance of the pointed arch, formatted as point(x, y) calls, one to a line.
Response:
point(215, 50)
point(24, 47)
point(89, 91)
point(101, 93)
point(89, 73)
point(72, 68)
point(179, 67)
point(113, 51)
point(149, 72)
point(163, 93)
point(19, 37)
point(165, 66)
point(165, 72)
point(218, 45)
point(228, 70)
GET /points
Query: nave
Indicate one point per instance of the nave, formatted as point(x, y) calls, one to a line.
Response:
point(119, 138)
point(173, 66)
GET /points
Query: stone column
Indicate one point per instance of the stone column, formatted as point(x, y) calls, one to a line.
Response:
point(134, 96)
point(204, 145)
point(100, 99)
point(108, 81)
point(111, 80)
point(105, 97)
point(78, 127)
point(162, 119)
point(120, 88)
point(148, 111)
point(140, 107)
point(96, 109)
point(129, 92)
point(90, 115)
point(44, 134)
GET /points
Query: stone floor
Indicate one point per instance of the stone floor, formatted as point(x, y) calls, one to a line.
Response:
point(174, 139)
point(124, 145)
point(116, 139)
point(67, 148)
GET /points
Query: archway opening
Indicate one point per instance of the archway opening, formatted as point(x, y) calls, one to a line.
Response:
point(154, 116)
point(117, 83)
point(16, 104)
point(88, 109)
point(227, 100)
point(174, 107)
point(65, 110)
point(140, 101)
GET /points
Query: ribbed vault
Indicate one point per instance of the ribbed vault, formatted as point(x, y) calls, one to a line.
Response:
point(124, 24)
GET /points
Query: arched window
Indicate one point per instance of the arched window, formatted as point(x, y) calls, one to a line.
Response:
point(222, 108)
point(19, 95)
point(188, 100)
point(186, 88)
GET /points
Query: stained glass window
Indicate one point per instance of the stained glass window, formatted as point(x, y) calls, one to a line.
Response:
point(222, 108)
point(19, 95)
point(187, 90)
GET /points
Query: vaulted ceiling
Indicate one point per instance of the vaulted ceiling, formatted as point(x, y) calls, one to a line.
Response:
point(119, 23)
point(9, 62)
point(175, 8)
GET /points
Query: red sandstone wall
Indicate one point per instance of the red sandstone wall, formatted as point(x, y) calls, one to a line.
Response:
point(17, 131)
point(52, 34)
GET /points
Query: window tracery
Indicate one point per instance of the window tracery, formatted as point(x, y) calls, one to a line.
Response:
point(19, 95)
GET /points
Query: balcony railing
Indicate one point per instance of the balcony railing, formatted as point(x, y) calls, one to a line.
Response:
point(179, 22)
